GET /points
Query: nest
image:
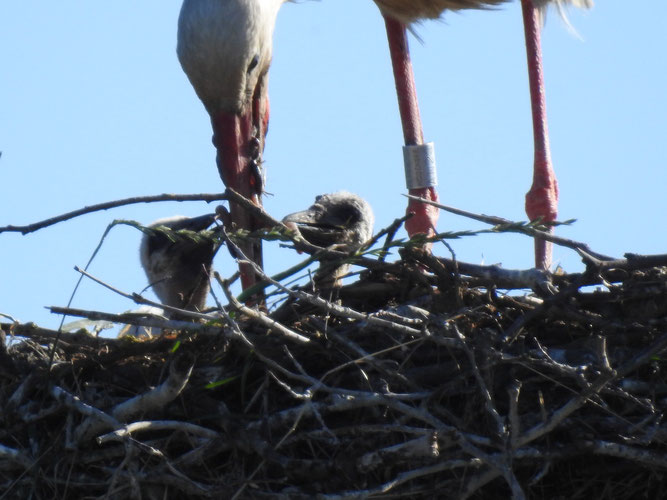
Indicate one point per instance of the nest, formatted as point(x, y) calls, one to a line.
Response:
point(424, 378)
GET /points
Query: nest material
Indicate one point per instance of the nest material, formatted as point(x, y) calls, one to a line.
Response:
point(419, 380)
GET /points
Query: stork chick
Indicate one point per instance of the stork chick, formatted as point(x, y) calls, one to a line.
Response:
point(340, 221)
point(178, 266)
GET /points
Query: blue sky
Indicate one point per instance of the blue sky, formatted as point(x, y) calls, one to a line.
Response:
point(94, 107)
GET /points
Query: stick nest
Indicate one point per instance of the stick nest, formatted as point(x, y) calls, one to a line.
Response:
point(424, 378)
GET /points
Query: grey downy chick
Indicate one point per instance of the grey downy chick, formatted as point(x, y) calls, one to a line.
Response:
point(178, 266)
point(340, 221)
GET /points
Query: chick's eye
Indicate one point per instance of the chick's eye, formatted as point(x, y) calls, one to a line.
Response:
point(346, 215)
point(253, 63)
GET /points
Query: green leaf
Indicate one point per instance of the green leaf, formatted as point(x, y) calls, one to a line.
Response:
point(218, 383)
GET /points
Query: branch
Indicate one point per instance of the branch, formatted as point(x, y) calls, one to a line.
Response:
point(137, 298)
point(535, 279)
point(516, 227)
point(128, 318)
point(330, 307)
point(143, 403)
point(158, 425)
point(179, 375)
point(14, 457)
point(603, 379)
point(35, 226)
point(260, 316)
point(416, 449)
point(630, 453)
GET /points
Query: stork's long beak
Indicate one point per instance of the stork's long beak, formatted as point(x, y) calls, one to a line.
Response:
point(234, 140)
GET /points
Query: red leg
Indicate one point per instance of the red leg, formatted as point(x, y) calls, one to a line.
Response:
point(425, 216)
point(542, 199)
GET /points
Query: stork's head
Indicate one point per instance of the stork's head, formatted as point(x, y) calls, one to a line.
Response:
point(225, 49)
point(178, 265)
point(342, 219)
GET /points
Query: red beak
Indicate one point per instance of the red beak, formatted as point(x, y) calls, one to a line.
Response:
point(239, 139)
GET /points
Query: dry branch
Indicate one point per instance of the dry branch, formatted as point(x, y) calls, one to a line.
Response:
point(35, 226)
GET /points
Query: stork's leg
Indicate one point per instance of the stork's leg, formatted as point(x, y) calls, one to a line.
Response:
point(542, 199)
point(425, 216)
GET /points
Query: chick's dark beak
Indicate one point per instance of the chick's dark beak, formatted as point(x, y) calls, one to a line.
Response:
point(196, 223)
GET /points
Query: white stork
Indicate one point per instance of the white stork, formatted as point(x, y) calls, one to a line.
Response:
point(225, 47)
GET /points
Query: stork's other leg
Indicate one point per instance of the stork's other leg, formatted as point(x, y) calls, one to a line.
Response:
point(425, 216)
point(542, 199)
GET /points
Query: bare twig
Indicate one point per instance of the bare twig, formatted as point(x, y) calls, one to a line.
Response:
point(155, 398)
point(483, 388)
point(326, 305)
point(511, 226)
point(140, 300)
point(13, 456)
point(129, 318)
point(630, 453)
point(111, 204)
point(157, 425)
point(419, 448)
point(179, 375)
point(603, 379)
point(259, 316)
point(95, 416)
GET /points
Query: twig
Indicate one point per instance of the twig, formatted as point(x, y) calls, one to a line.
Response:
point(140, 300)
point(603, 379)
point(180, 370)
point(630, 453)
point(423, 447)
point(14, 457)
point(155, 398)
point(259, 316)
point(129, 318)
point(335, 309)
point(158, 425)
point(95, 416)
point(534, 279)
point(501, 429)
point(10, 318)
point(390, 231)
point(180, 483)
point(513, 392)
point(370, 358)
point(632, 262)
point(511, 226)
point(111, 204)
point(403, 478)
point(513, 332)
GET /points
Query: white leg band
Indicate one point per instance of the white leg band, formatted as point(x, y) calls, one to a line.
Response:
point(419, 161)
